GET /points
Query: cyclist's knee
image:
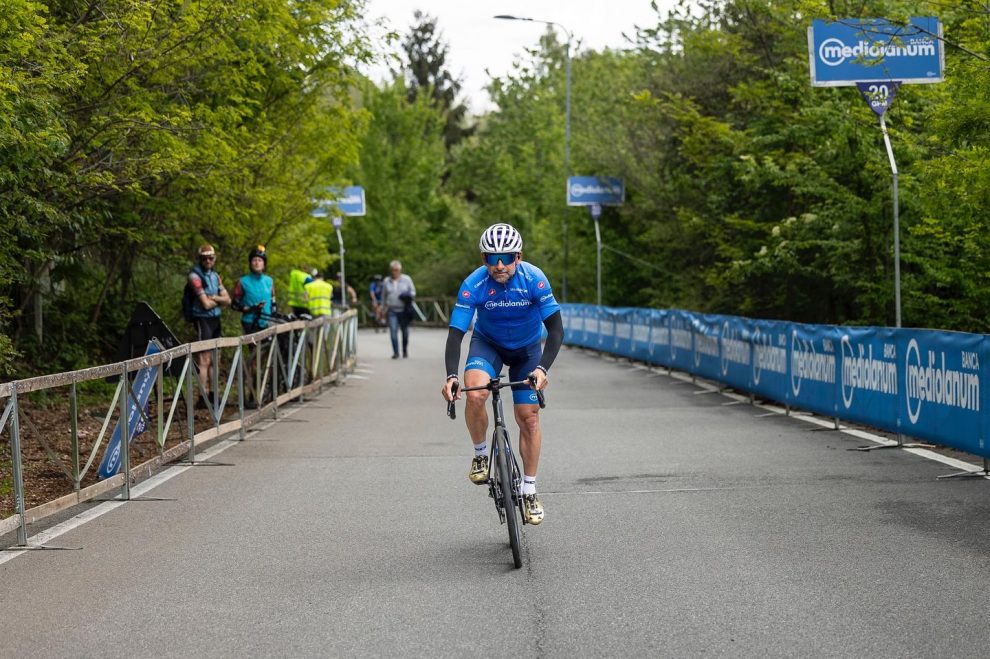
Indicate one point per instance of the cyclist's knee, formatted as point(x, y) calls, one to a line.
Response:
point(477, 398)
point(528, 419)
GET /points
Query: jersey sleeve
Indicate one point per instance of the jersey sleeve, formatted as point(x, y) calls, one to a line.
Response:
point(542, 294)
point(464, 307)
point(197, 284)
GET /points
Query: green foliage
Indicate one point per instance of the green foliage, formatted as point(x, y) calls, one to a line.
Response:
point(748, 191)
point(134, 131)
point(426, 72)
point(409, 218)
point(131, 132)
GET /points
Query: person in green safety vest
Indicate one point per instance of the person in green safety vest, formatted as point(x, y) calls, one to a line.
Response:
point(319, 292)
point(297, 290)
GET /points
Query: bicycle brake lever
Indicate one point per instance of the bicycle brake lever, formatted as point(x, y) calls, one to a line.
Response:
point(451, 408)
point(539, 394)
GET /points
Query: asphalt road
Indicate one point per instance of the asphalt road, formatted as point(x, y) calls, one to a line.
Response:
point(678, 524)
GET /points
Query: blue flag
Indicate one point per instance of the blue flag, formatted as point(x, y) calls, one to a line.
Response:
point(144, 381)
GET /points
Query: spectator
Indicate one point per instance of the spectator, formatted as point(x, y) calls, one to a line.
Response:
point(376, 291)
point(297, 289)
point(398, 295)
point(338, 301)
point(319, 293)
point(210, 296)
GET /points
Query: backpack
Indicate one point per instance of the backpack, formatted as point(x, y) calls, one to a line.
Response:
point(189, 297)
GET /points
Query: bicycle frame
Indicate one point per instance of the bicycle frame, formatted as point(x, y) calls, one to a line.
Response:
point(504, 476)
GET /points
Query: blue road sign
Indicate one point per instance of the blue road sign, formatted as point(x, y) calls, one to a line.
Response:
point(346, 201)
point(848, 51)
point(878, 95)
point(588, 190)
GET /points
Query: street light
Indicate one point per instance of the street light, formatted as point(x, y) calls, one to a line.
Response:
point(567, 123)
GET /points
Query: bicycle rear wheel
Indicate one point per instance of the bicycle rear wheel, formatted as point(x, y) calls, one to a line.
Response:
point(508, 489)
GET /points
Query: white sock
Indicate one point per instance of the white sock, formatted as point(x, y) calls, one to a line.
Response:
point(529, 485)
point(480, 449)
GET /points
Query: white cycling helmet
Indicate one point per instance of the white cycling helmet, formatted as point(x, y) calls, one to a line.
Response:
point(500, 239)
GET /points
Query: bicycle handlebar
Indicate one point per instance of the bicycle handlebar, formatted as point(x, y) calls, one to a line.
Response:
point(492, 385)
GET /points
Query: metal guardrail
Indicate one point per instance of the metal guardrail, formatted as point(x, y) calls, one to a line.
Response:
point(291, 360)
point(430, 311)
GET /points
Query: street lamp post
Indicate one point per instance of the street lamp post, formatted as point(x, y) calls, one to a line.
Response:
point(567, 124)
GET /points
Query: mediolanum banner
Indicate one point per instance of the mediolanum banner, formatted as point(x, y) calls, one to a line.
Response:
point(844, 52)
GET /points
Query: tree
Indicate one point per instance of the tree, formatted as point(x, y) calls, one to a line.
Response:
point(157, 127)
point(426, 73)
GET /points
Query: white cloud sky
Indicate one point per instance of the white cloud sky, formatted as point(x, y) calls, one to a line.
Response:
point(478, 42)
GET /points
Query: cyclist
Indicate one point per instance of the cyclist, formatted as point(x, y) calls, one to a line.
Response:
point(511, 298)
point(254, 296)
point(255, 293)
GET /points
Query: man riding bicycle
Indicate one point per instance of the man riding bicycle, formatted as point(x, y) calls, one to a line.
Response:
point(512, 298)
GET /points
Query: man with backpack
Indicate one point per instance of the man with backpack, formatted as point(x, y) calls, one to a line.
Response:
point(201, 302)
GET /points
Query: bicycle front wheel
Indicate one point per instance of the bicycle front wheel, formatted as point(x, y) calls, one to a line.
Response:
point(508, 489)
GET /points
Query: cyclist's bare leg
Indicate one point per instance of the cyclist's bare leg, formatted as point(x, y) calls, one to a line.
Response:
point(530, 436)
point(475, 413)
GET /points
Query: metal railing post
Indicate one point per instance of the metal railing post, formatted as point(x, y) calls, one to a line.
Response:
point(275, 366)
point(190, 411)
point(15, 458)
point(215, 385)
point(74, 426)
point(258, 393)
point(160, 386)
point(321, 353)
point(290, 373)
point(302, 366)
point(125, 434)
point(240, 388)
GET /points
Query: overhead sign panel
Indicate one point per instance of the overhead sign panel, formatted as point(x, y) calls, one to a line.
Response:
point(844, 52)
point(588, 190)
point(346, 201)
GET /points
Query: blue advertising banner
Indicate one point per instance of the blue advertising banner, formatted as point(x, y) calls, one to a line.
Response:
point(641, 330)
point(141, 388)
point(707, 358)
point(588, 190)
point(942, 397)
point(844, 52)
point(681, 340)
point(736, 352)
point(622, 331)
point(813, 368)
point(659, 320)
point(770, 372)
point(868, 382)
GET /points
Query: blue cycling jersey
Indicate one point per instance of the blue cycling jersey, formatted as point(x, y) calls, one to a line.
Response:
point(510, 315)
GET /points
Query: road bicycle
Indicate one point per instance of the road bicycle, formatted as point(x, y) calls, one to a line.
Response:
point(504, 476)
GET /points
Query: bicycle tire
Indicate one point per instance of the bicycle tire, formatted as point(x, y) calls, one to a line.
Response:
point(511, 509)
